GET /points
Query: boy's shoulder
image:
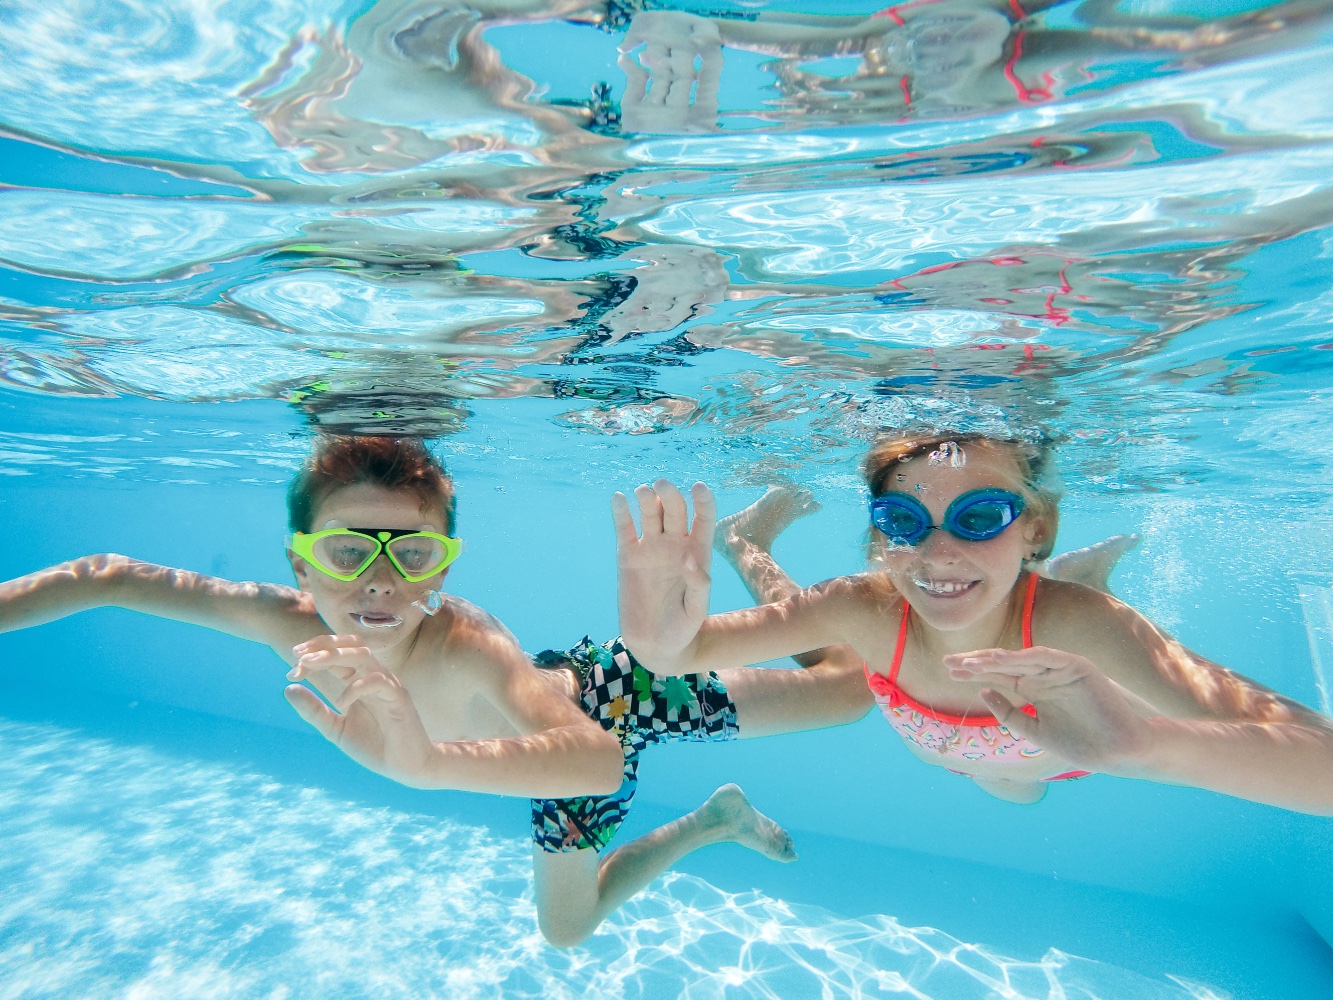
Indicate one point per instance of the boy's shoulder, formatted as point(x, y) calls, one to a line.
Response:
point(468, 639)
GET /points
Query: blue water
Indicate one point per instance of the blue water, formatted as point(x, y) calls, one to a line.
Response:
point(226, 226)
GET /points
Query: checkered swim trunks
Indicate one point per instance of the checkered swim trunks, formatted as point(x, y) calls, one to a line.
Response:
point(640, 709)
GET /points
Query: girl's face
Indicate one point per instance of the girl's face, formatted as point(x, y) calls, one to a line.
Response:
point(378, 605)
point(950, 582)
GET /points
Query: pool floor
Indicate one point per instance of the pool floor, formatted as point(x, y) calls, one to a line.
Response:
point(155, 852)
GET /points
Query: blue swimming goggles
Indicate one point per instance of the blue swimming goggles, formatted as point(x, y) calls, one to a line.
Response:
point(975, 516)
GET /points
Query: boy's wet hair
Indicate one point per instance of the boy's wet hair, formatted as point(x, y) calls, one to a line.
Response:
point(1037, 482)
point(392, 463)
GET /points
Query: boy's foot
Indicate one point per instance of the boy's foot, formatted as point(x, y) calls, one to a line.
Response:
point(1092, 566)
point(742, 823)
point(761, 522)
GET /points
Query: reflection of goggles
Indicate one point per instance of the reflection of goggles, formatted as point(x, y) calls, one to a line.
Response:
point(975, 516)
point(346, 553)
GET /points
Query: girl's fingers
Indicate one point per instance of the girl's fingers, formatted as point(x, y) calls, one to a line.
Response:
point(675, 515)
point(1011, 716)
point(636, 77)
point(705, 515)
point(626, 533)
point(650, 511)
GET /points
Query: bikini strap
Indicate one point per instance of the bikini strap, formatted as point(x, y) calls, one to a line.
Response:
point(901, 646)
point(1029, 599)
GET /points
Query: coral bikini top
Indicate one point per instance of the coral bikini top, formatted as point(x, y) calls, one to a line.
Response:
point(961, 737)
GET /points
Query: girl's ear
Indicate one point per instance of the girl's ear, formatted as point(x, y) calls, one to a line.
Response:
point(1036, 533)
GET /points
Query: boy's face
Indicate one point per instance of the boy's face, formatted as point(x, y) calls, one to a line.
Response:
point(378, 604)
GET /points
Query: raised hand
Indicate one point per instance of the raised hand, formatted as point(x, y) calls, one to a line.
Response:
point(663, 572)
point(1082, 715)
point(672, 85)
point(376, 723)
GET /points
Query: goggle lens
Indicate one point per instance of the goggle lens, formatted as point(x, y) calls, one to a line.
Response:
point(984, 518)
point(345, 553)
point(899, 521)
point(417, 555)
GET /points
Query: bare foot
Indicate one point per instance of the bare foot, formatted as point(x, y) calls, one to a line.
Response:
point(1092, 566)
point(761, 522)
point(743, 824)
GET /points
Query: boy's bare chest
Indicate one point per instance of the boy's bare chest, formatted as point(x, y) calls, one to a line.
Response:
point(451, 708)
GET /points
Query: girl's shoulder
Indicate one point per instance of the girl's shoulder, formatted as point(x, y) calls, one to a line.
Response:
point(1080, 619)
point(873, 590)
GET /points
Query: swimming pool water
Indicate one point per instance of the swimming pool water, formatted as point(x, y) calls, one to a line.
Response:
point(225, 227)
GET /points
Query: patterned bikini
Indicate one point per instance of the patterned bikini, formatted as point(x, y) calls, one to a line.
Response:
point(960, 737)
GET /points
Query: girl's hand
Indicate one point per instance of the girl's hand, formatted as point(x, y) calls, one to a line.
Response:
point(378, 727)
point(672, 85)
point(1082, 715)
point(663, 571)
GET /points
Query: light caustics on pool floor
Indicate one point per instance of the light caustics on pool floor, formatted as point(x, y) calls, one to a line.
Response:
point(134, 873)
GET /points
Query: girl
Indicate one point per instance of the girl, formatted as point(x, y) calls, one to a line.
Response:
point(978, 667)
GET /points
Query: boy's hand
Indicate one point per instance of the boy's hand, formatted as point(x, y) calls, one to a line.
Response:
point(378, 727)
point(1082, 715)
point(664, 581)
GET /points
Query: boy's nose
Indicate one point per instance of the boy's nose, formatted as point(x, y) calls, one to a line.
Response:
point(379, 579)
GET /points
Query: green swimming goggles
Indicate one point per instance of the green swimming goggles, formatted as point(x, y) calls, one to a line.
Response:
point(346, 553)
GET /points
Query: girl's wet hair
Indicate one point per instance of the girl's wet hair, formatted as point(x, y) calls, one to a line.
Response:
point(392, 463)
point(1036, 481)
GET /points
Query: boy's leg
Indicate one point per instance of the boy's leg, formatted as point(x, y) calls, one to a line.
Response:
point(831, 690)
point(576, 890)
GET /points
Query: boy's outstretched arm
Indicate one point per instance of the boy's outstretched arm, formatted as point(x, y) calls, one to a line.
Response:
point(275, 615)
point(561, 752)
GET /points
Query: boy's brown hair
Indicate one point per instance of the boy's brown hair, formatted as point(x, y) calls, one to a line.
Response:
point(393, 463)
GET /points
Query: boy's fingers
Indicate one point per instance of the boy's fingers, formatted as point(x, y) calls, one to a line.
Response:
point(313, 711)
point(675, 515)
point(312, 663)
point(626, 533)
point(370, 684)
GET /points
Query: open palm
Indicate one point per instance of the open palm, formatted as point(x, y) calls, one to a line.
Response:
point(663, 571)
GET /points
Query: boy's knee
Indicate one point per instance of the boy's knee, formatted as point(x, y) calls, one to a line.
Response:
point(564, 933)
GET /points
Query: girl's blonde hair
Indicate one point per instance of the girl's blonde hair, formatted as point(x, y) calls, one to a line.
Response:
point(1036, 482)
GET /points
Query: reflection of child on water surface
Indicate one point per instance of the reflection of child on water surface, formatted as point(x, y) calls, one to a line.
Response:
point(978, 666)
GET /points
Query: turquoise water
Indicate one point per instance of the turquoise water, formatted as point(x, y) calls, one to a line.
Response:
point(224, 226)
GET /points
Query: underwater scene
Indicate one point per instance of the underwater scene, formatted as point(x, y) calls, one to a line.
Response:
point(922, 410)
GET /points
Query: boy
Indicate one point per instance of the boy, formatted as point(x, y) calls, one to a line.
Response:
point(433, 691)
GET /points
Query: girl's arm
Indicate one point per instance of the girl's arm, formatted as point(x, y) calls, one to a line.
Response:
point(275, 615)
point(664, 587)
point(1120, 697)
